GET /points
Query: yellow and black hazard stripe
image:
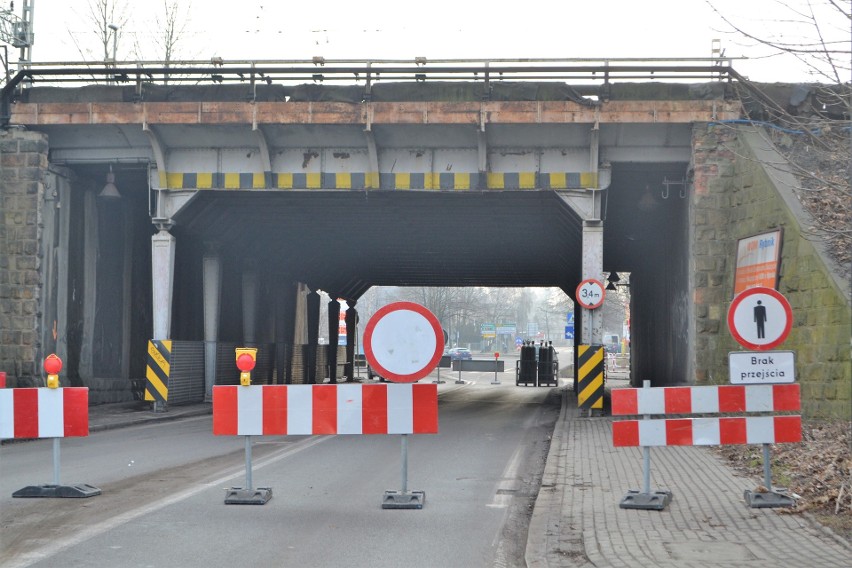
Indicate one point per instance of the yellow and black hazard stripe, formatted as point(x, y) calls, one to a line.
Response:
point(590, 376)
point(159, 367)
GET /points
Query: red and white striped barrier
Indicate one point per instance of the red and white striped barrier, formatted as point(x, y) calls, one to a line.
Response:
point(707, 431)
point(289, 410)
point(44, 412)
point(706, 399)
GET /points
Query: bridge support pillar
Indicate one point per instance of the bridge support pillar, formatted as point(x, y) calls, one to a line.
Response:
point(592, 320)
point(313, 304)
point(249, 306)
point(285, 322)
point(162, 275)
point(333, 334)
point(351, 338)
point(212, 285)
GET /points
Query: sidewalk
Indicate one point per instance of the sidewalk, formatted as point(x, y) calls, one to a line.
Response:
point(118, 415)
point(577, 520)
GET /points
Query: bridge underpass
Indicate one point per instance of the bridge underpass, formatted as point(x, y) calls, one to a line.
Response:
point(340, 197)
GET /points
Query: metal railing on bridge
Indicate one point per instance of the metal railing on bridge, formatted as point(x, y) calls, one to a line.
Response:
point(596, 75)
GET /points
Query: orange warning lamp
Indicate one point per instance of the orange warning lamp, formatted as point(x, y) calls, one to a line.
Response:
point(246, 358)
point(52, 365)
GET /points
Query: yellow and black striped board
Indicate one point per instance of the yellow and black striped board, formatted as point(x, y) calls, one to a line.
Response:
point(590, 377)
point(159, 366)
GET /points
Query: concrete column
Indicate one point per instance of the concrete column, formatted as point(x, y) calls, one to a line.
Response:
point(333, 335)
point(279, 333)
point(90, 255)
point(285, 323)
point(351, 340)
point(313, 302)
point(249, 307)
point(212, 290)
point(162, 277)
point(592, 322)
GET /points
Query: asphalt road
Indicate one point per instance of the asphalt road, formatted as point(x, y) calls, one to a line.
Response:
point(164, 487)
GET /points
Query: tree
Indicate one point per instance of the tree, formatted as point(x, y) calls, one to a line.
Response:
point(106, 18)
point(810, 123)
point(171, 25)
point(108, 21)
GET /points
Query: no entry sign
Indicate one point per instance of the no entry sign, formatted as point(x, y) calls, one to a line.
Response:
point(403, 342)
point(760, 318)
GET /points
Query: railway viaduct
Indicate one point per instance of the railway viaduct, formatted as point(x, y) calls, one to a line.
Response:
point(207, 204)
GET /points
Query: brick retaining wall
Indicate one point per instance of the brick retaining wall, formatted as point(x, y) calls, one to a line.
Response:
point(23, 164)
point(736, 196)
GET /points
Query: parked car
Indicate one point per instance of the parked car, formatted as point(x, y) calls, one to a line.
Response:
point(458, 353)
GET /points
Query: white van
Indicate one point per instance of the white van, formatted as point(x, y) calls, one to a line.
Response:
point(612, 343)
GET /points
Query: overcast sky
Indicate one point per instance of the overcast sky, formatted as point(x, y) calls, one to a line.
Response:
point(445, 29)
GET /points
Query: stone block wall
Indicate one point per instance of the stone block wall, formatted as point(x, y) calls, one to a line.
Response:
point(736, 195)
point(23, 164)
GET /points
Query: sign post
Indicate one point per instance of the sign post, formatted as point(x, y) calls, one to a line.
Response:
point(403, 341)
point(760, 318)
point(496, 358)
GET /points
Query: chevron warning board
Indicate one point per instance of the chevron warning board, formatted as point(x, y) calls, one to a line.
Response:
point(590, 376)
point(159, 367)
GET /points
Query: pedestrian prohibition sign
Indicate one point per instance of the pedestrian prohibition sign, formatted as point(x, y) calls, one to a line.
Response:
point(760, 318)
point(403, 342)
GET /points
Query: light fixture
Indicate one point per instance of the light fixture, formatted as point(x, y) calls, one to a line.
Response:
point(110, 191)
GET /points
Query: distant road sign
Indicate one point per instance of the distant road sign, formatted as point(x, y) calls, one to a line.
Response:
point(569, 332)
point(403, 342)
point(590, 294)
point(506, 329)
point(760, 318)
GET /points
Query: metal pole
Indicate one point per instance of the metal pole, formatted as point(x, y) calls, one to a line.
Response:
point(646, 452)
point(404, 463)
point(767, 468)
point(56, 461)
point(248, 463)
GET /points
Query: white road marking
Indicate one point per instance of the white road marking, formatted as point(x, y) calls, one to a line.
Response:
point(59, 544)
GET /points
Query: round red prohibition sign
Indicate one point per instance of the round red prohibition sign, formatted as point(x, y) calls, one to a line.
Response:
point(760, 318)
point(403, 342)
point(590, 294)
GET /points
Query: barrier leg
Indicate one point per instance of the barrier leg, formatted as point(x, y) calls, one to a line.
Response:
point(438, 380)
point(56, 456)
point(656, 501)
point(404, 499)
point(247, 495)
point(80, 490)
point(767, 498)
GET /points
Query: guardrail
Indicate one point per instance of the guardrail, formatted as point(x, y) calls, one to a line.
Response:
point(366, 73)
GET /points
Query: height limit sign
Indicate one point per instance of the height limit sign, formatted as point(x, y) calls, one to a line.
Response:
point(590, 294)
